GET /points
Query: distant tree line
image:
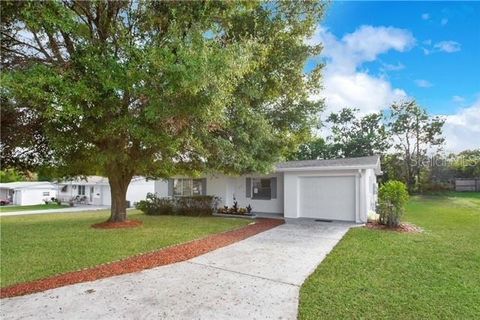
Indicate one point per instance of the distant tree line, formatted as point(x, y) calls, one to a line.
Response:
point(409, 140)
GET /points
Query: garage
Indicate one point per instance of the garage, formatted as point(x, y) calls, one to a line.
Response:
point(327, 197)
point(335, 189)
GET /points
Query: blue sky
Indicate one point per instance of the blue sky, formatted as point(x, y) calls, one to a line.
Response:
point(378, 52)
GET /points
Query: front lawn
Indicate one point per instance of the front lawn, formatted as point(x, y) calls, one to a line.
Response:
point(37, 246)
point(374, 274)
point(32, 207)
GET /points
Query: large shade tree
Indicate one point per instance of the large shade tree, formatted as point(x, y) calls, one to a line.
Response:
point(126, 88)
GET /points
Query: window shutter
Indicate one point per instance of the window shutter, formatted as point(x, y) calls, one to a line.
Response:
point(204, 186)
point(273, 186)
point(170, 187)
point(248, 189)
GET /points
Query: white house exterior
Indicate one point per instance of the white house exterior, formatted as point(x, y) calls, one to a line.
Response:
point(341, 189)
point(25, 193)
point(95, 190)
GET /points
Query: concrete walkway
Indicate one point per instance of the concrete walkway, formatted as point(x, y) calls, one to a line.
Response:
point(80, 208)
point(257, 278)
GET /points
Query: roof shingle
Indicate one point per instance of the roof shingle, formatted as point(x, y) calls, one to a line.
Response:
point(344, 162)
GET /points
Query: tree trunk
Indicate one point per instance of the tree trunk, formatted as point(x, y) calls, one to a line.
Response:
point(118, 188)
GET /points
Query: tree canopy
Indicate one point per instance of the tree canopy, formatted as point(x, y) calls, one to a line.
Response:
point(354, 136)
point(466, 164)
point(349, 135)
point(415, 134)
point(404, 134)
point(124, 88)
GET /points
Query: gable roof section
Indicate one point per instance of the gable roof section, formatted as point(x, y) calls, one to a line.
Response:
point(95, 180)
point(89, 180)
point(370, 162)
point(27, 184)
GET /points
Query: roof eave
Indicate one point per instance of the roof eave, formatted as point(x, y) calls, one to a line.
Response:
point(328, 168)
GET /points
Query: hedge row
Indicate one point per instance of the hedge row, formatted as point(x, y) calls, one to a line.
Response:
point(185, 206)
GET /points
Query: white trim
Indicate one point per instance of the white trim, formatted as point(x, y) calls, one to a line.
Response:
point(357, 198)
point(325, 168)
point(297, 193)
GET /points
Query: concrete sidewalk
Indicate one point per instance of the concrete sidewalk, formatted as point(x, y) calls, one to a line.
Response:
point(257, 278)
point(47, 211)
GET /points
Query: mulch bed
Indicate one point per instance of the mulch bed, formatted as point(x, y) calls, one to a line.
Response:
point(140, 262)
point(117, 225)
point(403, 227)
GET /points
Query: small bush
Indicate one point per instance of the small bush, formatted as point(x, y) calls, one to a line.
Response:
point(195, 205)
point(56, 200)
point(186, 206)
point(235, 209)
point(154, 205)
point(393, 196)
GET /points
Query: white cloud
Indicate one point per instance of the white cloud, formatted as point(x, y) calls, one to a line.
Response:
point(363, 45)
point(447, 46)
point(344, 84)
point(359, 90)
point(442, 46)
point(444, 21)
point(425, 16)
point(393, 67)
point(422, 83)
point(462, 130)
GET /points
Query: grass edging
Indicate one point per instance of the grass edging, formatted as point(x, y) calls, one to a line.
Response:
point(164, 256)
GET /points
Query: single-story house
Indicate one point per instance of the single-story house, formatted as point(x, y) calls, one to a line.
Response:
point(24, 193)
point(95, 190)
point(340, 189)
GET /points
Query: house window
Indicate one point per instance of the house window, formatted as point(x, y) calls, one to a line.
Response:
point(46, 194)
point(262, 189)
point(187, 187)
point(81, 190)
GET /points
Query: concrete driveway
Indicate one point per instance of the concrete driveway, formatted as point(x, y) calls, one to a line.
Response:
point(257, 278)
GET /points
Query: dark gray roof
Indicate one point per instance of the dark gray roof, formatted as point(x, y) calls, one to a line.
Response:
point(345, 162)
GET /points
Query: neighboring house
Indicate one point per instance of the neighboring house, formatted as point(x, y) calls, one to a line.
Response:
point(341, 189)
point(95, 190)
point(24, 193)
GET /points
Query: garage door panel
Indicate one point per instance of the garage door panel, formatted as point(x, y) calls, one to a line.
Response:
point(328, 197)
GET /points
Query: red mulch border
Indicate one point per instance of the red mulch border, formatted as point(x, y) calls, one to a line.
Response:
point(168, 255)
point(117, 225)
point(403, 227)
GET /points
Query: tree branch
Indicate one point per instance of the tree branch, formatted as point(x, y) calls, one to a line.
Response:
point(54, 46)
point(37, 40)
point(19, 42)
point(68, 43)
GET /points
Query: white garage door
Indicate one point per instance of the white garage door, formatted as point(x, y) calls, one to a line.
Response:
point(106, 196)
point(331, 198)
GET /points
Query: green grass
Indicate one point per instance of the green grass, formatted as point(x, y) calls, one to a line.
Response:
point(32, 207)
point(37, 246)
point(374, 274)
